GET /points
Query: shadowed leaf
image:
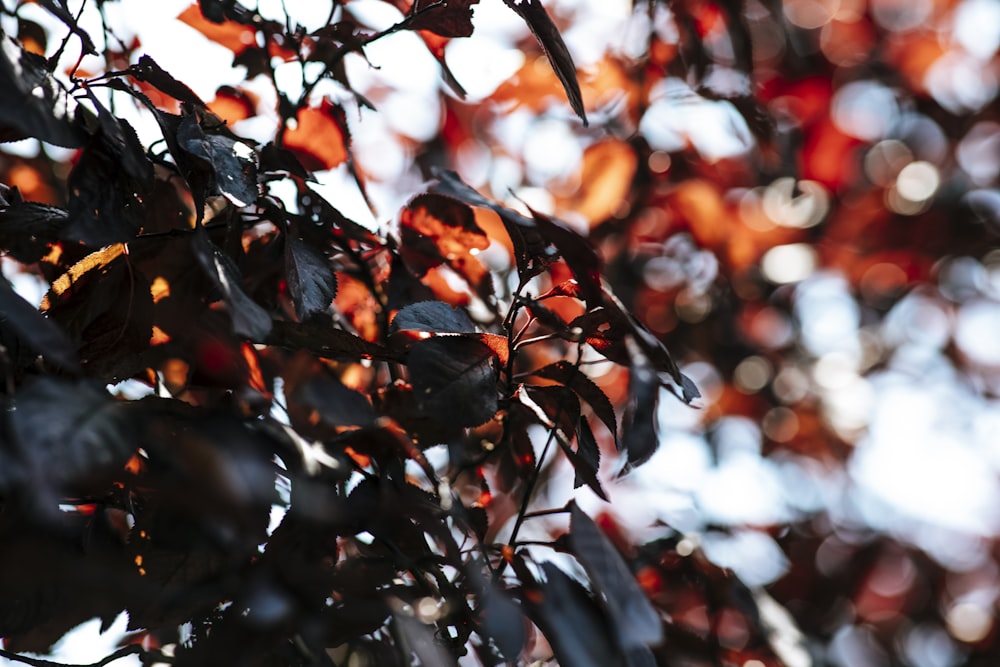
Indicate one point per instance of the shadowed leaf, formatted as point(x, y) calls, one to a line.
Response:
point(432, 316)
point(33, 104)
point(249, 319)
point(552, 44)
point(311, 279)
point(451, 18)
point(570, 376)
point(35, 330)
point(453, 379)
point(637, 623)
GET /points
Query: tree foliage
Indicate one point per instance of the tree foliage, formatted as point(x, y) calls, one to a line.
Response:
point(274, 436)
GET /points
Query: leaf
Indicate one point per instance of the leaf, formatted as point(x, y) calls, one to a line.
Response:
point(210, 20)
point(336, 403)
point(311, 280)
point(34, 104)
point(232, 162)
point(531, 250)
point(320, 137)
point(453, 379)
point(636, 622)
point(148, 71)
point(70, 433)
point(326, 342)
point(570, 376)
point(500, 617)
point(451, 18)
point(449, 222)
point(555, 49)
point(579, 254)
point(249, 319)
point(639, 437)
point(36, 331)
point(103, 208)
point(573, 623)
point(28, 229)
point(433, 317)
point(586, 460)
point(419, 639)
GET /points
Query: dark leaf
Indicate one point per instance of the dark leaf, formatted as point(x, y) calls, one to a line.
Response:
point(337, 404)
point(148, 71)
point(121, 141)
point(451, 18)
point(432, 316)
point(636, 622)
point(579, 254)
point(277, 159)
point(560, 405)
point(453, 379)
point(249, 319)
point(70, 433)
point(35, 331)
point(103, 206)
point(639, 437)
point(419, 639)
point(311, 280)
point(570, 376)
point(232, 162)
point(571, 620)
point(33, 104)
point(500, 617)
point(586, 460)
point(548, 37)
point(27, 229)
point(326, 342)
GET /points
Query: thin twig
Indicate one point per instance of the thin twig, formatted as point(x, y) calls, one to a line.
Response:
point(133, 649)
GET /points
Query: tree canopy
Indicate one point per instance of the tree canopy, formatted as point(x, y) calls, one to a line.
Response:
point(452, 332)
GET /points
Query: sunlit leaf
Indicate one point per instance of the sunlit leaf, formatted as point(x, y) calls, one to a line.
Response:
point(319, 138)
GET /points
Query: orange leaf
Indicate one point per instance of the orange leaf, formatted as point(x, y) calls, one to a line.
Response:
point(230, 34)
point(320, 137)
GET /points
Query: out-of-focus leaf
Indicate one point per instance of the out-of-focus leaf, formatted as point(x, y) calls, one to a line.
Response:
point(249, 319)
point(336, 403)
point(433, 317)
point(453, 379)
point(37, 332)
point(500, 617)
point(576, 627)
point(211, 21)
point(232, 162)
point(639, 438)
point(311, 279)
point(637, 624)
point(34, 104)
point(69, 433)
point(570, 376)
point(326, 342)
point(452, 18)
point(320, 139)
point(419, 639)
point(552, 44)
point(27, 229)
point(449, 222)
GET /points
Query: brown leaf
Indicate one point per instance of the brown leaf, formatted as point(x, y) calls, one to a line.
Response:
point(320, 138)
